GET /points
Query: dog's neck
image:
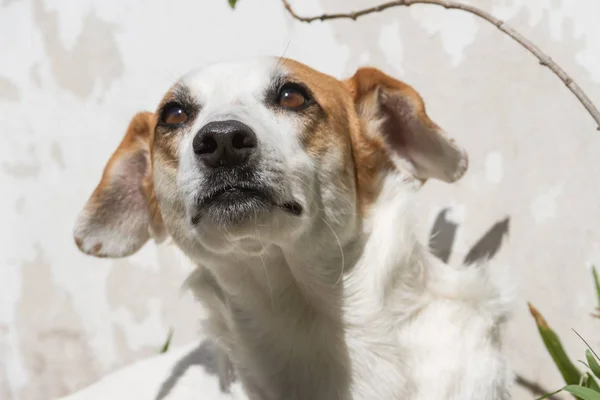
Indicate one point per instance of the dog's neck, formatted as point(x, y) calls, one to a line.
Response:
point(300, 312)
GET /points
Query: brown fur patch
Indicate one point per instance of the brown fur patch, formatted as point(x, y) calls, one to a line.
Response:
point(164, 142)
point(135, 141)
point(328, 128)
point(407, 128)
point(368, 80)
point(96, 249)
point(341, 128)
point(371, 163)
point(135, 150)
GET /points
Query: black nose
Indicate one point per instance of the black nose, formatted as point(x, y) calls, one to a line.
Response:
point(224, 143)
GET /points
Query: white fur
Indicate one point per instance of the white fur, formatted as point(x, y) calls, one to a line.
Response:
point(404, 324)
point(330, 305)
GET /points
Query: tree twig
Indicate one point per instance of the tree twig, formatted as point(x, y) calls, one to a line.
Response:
point(544, 59)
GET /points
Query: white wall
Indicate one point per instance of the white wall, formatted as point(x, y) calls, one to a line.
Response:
point(72, 73)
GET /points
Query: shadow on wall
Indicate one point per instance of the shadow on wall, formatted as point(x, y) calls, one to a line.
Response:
point(443, 233)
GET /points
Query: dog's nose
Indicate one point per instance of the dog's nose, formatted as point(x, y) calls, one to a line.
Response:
point(224, 143)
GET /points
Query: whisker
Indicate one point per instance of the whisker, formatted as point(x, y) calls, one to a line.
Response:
point(313, 190)
point(287, 46)
point(266, 273)
point(341, 251)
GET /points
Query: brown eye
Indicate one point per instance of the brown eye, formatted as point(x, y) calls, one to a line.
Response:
point(174, 114)
point(292, 96)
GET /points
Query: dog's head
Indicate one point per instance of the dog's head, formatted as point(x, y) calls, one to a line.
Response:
point(266, 149)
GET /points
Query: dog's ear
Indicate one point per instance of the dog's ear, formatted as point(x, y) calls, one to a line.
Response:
point(122, 212)
point(395, 111)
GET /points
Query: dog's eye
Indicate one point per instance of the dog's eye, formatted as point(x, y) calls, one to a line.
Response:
point(292, 96)
point(174, 114)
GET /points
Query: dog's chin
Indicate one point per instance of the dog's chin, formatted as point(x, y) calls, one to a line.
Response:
point(232, 207)
point(239, 206)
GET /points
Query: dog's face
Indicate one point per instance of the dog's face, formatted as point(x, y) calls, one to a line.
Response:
point(262, 150)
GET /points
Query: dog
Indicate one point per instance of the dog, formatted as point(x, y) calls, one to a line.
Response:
point(292, 192)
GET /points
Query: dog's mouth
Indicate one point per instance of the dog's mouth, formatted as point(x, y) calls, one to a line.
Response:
point(234, 204)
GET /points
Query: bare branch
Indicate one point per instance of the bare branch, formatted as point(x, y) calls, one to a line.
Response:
point(533, 49)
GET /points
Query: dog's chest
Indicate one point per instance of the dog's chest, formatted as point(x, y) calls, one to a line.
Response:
point(322, 361)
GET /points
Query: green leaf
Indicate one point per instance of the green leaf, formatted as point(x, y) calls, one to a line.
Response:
point(582, 392)
point(550, 394)
point(232, 3)
point(165, 347)
point(588, 381)
point(597, 283)
point(569, 372)
point(587, 344)
point(584, 379)
point(593, 363)
point(591, 382)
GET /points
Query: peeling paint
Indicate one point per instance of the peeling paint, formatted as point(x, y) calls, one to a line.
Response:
point(49, 332)
point(57, 155)
point(95, 58)
point(8, 90)
point(544, 206)
point(24, 169)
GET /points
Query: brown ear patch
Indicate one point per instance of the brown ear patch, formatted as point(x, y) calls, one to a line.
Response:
point(400, 119)
point(122, 212)
point(367, 79)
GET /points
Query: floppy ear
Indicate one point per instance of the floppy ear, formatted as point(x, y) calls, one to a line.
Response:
point(397, 112)
point(122, 213)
